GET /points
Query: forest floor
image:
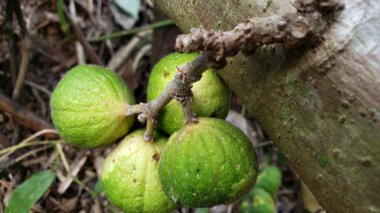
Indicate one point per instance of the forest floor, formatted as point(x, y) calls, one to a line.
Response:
point(57, 35)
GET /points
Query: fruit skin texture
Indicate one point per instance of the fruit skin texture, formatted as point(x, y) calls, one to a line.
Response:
point(207, 163)
point(258, 201)
point(88, 107)
point(211, 96)
point(269, 179)
point(130, 176)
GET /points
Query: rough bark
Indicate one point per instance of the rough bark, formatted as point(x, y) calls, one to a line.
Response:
point(320, 105)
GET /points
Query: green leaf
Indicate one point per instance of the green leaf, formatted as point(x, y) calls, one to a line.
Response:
point(98, 187)
point(28, 193)
point(131, 7)
point(62, 18)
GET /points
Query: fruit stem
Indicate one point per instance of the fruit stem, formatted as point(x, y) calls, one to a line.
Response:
point(148, 135)
point(190, 116)
point(179, 88)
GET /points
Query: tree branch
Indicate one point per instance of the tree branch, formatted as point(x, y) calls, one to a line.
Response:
point(24, 116)
point(292, 30)
point(179, 88)
point(94, 58)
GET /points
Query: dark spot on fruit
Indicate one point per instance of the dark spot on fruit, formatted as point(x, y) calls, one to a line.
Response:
point(166, 73)
point(134, 168)
point(156, 157)
point(198, 170)
point(113, 161)
point(134, 180)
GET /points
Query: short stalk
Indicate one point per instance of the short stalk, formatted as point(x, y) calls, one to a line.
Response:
point(148, 136)
point(186, 104)
point(179, 88)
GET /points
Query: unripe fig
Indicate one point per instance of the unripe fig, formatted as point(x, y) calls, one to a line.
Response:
point(211, 96)
point(258, 201)
point(269, 179)
point(207, 163)
point(88, 107)
point(130, 177)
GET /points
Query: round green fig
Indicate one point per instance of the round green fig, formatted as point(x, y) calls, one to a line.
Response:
point(207, 163)
point(130, 177)
point(211, 96)
point(88, 107)
point(269, 179)
point(258, 201)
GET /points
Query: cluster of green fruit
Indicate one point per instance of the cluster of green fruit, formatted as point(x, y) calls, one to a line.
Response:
point(201, 165)
point(261, 198)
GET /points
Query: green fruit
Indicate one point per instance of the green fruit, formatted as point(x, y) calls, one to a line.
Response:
point(130, 176)
point(258, 201)
point(207, 163)
point(211, 96)
point(269, 179)
point(88, 107)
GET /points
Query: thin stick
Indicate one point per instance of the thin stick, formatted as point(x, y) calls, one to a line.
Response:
point(34, 151)
point(8, 27)
point(63, 158)
point(158, 24)
point(19, 146)
point(24, 116)
point(81, 38)
point(25, 44)
point(41, 88)
point(35, 135)
point(25, 47)
point(263, 144)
